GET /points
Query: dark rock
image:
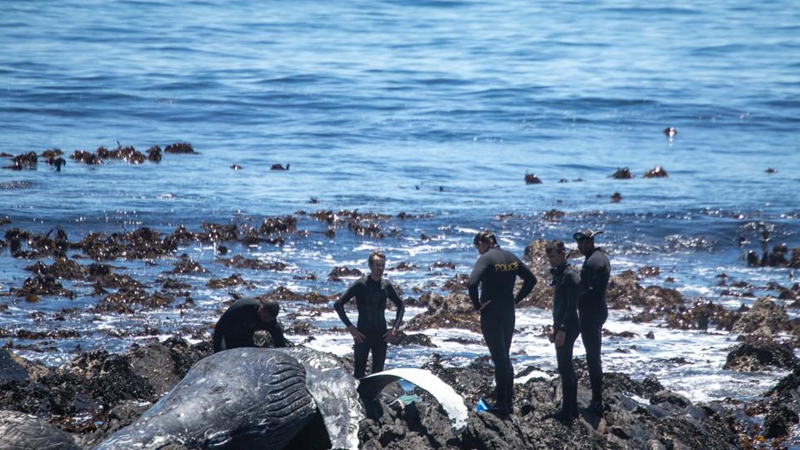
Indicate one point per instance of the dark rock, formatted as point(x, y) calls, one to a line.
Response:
point(180, 148)
point(622, 174)
point(420, 339)
point(761, 354)
point(656, 172)
point(339, 272)
point(453, 311)
point(765, 318)
point(531, 178)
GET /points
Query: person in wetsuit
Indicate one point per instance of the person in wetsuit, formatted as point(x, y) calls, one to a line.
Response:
point(241, 320)
point(592, 309)
point(371, 333)
point(496, 272)
point(566, 327)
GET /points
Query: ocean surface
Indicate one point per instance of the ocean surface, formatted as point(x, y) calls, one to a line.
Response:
point(436, 109)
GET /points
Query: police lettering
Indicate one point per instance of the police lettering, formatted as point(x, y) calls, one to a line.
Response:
point(511, 267)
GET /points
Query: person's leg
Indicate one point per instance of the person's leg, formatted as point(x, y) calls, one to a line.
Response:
point(378, 347)
point(508, 333)
point(569, 382)
point(360, 353)
point(592, 333)
point(496, 341)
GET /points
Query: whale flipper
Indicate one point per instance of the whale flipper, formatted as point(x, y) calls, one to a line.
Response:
point(453, 404)
point(334, 390)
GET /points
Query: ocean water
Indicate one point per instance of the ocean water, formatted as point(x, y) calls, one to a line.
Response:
point(433, 108)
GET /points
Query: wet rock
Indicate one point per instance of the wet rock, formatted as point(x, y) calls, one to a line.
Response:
point(338, 272)
point(61, 268)
point(85, 157)
point(79, 394)
point(219, 233)
point(452, 311)
point(240, 262)
point(404, 266)
point(273, 225)
point(123, 414)
point(765, 318)
point(281, 293)
point(761, 354)
point(138, 244)
point(783, 405)
point(14, 369)
point(442, 265)
point(649, 271)
point(490, 432)
point(656, 172)
point(180, 148)
point(128, 301)
point(622, 174)
point(553, 214)
point(701, 315)
point(154, 154)
point(624, 291)
point(187, 266)
point(401, 338)
point(365, 228)
point(531, 178)
point(40, 285)
point(231, 281)
point(127, 153)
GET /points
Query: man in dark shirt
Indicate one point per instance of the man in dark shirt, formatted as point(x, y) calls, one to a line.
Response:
point(565, 327)
point(496, 272)
point(371, 333)
point(241, 320)
point(592, 309)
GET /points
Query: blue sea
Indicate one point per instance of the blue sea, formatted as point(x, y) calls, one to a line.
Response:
point(436, 109)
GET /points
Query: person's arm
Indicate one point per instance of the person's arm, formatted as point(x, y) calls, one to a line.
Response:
point(391, 293)
point(571, 284)
point(597, 273)
point(276, 332)
point(528, 281)
point(351, 292)
point(218, 334)
point(344, 298)
point(475, 281)
point(585, 291)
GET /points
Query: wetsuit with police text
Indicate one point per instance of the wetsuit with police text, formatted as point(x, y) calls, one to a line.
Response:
point(371, 299)
point(566, 283)
point(496, 272)
point(593, 312)
point(236, 327)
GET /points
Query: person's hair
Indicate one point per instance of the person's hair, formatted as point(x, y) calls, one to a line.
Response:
point(271, 306)
point(555, 245)
point(375, 255)
point(485, 236)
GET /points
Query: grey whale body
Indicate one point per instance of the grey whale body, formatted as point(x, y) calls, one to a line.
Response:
point(249, 398)
point(20, 431)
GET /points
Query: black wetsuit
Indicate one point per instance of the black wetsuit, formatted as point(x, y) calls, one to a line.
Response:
point(593, 312)
point(239, 322)
point(371, 299)
point(496, 272)
point(566, 283)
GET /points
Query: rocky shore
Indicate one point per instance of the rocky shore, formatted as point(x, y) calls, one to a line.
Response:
point(97, 392)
